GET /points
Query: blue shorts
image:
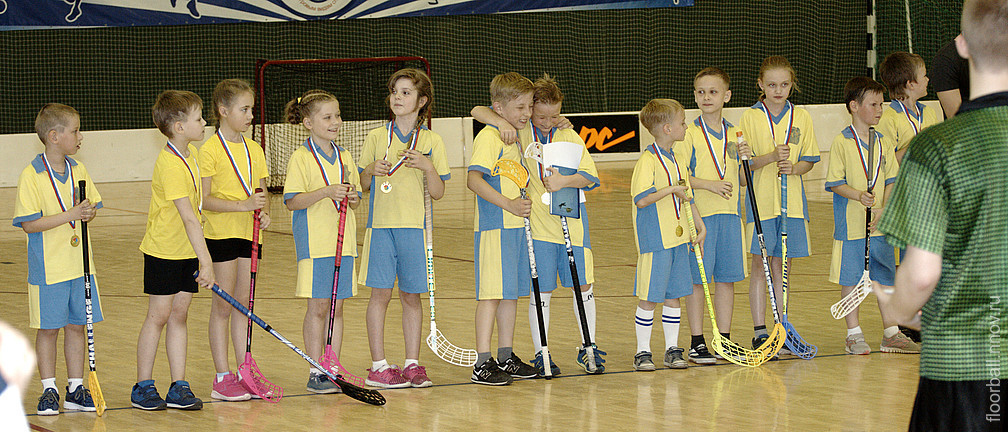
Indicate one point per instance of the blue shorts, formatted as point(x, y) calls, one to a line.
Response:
point(723, 250)
point(54, 306)
point(391, 253)
point(798, 237)
point(502, 264)
point(315, 278)
point(552, 261)
point(847, 264)
point(664, 275)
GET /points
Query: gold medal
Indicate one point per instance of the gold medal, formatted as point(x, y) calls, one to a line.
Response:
point(386, 187)
point(74, 241)
point(678, 230)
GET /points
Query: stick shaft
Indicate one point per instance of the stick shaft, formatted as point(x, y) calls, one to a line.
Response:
point(342, 208)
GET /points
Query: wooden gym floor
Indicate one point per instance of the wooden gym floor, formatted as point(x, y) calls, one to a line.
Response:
point(834, 391)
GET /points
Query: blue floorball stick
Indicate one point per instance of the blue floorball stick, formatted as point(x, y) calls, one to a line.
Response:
point(364, 395)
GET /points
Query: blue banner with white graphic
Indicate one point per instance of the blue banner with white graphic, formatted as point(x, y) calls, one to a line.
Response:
point(23, 14)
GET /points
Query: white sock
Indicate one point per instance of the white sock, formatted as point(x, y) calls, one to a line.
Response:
point(670, 324)
point(220, 376)
point(588, 299)
point(380, 365)
point(643, 321)
point(853, 331)
point(534, 318)
point(410, 362)
point(73, 383)
point(49, 383)
point(314, 371)
point(890, 331)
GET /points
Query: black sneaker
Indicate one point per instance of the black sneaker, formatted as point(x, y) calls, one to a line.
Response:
point(758, 341)
point(180, 396)
point(518, 369)
point(914, 335)
point(489, 373)
point(700, 355)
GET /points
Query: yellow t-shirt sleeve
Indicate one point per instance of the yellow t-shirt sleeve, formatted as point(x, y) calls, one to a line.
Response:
point(29, 202)
point(296, 181)
point(836, 172)
point(643, 177)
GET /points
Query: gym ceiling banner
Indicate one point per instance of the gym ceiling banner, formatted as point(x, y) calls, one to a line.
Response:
point(28, 14)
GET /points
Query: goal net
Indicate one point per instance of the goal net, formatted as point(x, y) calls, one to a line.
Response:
point(360, 84)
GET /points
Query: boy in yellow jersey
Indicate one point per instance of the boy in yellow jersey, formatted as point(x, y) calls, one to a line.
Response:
point(501, 252)
point(173, 249)
point(547, 236)
point(48, 211)
point(904, 117)
point(660, 229)
point(714, 174)
point(782, 142)
point(847, 178)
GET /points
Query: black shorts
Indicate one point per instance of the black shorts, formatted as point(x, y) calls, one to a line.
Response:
point(958, 406)
point(169, 277)
point(223, 250)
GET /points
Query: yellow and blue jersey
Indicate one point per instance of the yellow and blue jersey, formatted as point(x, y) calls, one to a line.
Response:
point(900, 124)
point(173, 178)
point(764, 132)
point(545, 226)
point(714, 157)
point(403, 206)
point(848, 164)
point(316, 228)
point(51, 257)
point(656, 226)
point(487, 150)
point(228, 184)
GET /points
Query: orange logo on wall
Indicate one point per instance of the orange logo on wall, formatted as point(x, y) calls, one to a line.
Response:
point(601, 139)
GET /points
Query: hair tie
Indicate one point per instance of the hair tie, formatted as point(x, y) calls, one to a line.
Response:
point(299, 100)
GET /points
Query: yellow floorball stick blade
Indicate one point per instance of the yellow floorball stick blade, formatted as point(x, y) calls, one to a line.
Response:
point(512, 170)
point(96, 393)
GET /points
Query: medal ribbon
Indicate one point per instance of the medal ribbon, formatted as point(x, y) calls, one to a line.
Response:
point(549, 139)
point(412, 146)
point(246, 186)
point(724, 134)
point(865, 163)
point(787, 138)
point(909, 117)
point(657, 152)
point(196, 187)
point(339, 160)
point(52, 181)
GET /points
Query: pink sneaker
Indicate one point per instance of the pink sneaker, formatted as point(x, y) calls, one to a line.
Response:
point(245, 385)
point(229, 389)
point(417, 376)
point(390, 378)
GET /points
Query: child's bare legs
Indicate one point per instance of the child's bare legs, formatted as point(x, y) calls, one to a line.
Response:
point(239, 322)
point(45, 352)
point(506, 315)
point(220, 310)
point(376, 310)
point(315, 326)
point(757, 291)
point(162, 311)
point(852, 317)
point(486, 311)
point(411, 323)
point(73, 350)
point(695, 303)
point(724, 304)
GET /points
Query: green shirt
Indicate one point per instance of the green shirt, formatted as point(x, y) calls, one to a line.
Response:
point(951, 198)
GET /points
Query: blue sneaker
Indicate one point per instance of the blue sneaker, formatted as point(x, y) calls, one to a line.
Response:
point(599, 360)
point(146, 397)
point(181, 397)
point(48, 403)
point(537, 362)
point(79, 400)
